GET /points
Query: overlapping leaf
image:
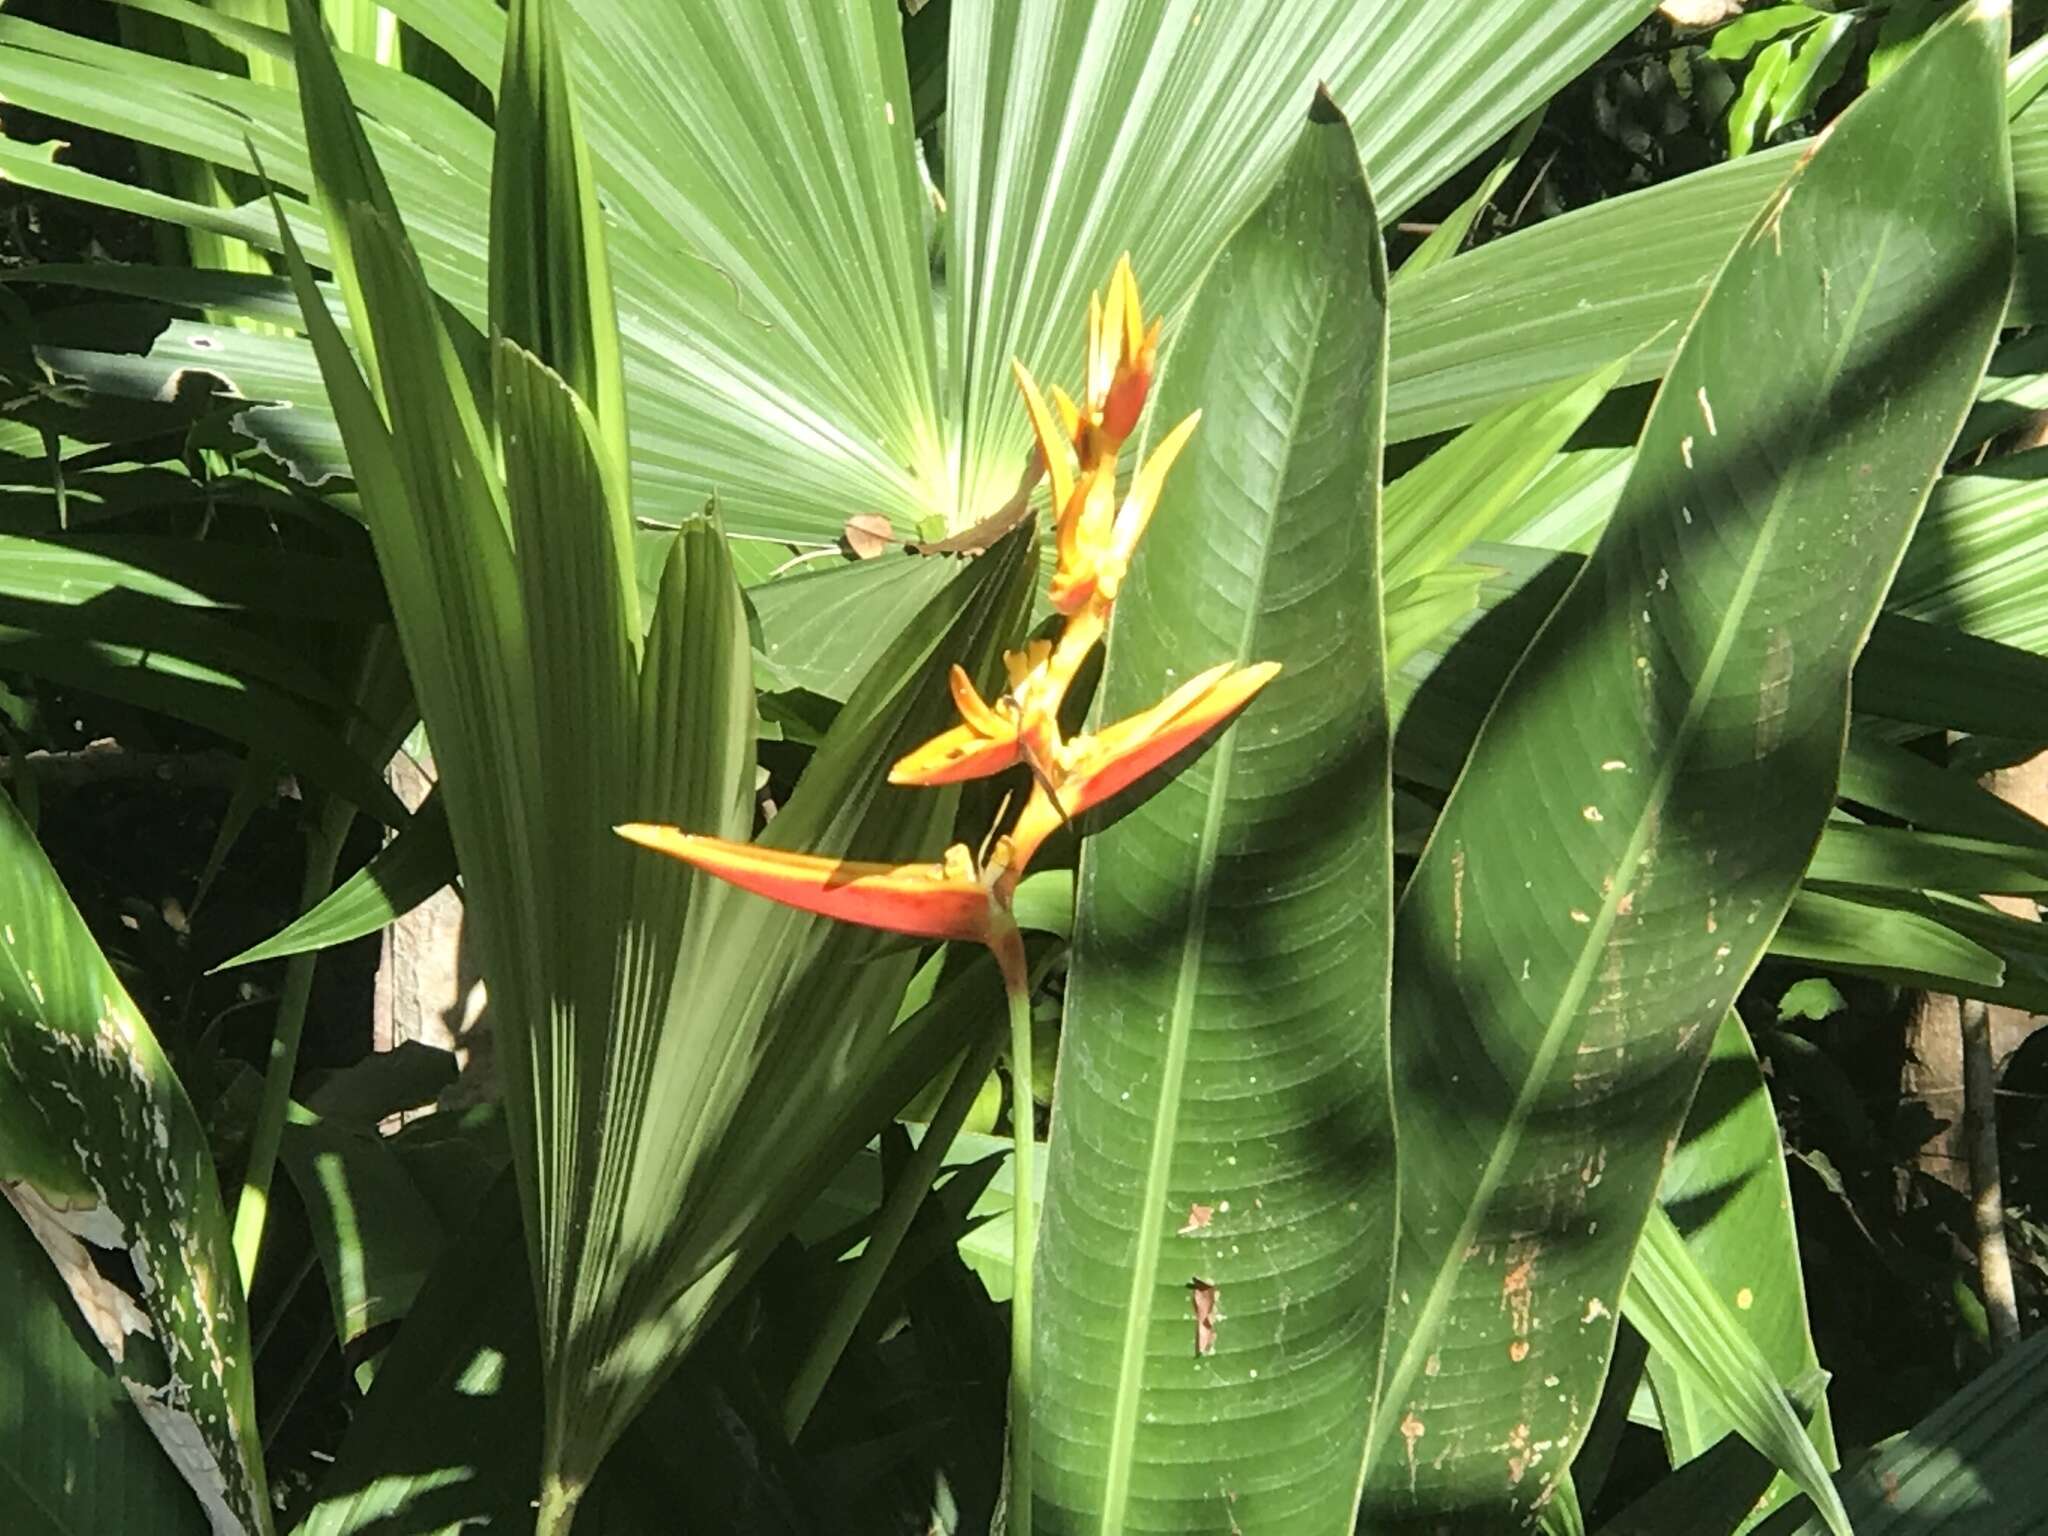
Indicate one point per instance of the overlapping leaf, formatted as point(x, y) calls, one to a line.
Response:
point(1220, 1146)
point(1634, 817)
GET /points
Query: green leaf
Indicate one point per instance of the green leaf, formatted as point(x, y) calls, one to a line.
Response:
point(1905, 858)
point(450, 1431)
point(1726, 1194)
point(100, 1148)
point(1635, 815)
point(823, 629)
point(1814, 998)
point(1982, 552)
point(1748, 113)
point(1823, 55)
point(415, 864)
point(376, 1236)
point(1712, 1494)
point(1875, 939)
point(1460, 493)
point(75, 1457)
point(1744, 35)
point(1973, 1467)
point(1442, 243)
point(550, 284)
point(1076, 132)
point(1696, 1339)
point(1219, 1046)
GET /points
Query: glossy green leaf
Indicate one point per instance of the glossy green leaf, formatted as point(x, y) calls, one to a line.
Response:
point(1635, 815)
point(416, 863)
point(1222, 1109)
point(1726, 1194)
point(101, 1149)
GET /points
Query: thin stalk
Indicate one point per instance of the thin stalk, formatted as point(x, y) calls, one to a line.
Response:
point(1023, 1131)
point(892, 1224)
point(252, 1210)
point(1987, 1195)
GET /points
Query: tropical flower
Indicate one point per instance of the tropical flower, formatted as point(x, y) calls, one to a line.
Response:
point(1095, 768)
point(960, 898)
point(952, 899)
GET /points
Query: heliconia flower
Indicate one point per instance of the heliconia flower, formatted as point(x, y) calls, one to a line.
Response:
point(1095, 768)
point(1095, 548)
point(951, 899)
point(1122, 352)
point(985, 741)
point(1021, 725)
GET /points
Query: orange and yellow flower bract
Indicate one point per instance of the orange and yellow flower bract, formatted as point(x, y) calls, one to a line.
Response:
point(951, 899)
point(1096, 536)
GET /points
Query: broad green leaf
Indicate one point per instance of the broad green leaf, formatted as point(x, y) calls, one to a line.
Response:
point(1636, 812)
point(75, 1456)
point(415, 864)
point(823, 628)
point(1222, 1107)
point(1905, 858)
point(1154, 126)
point(1973, 1467)
point(100, 1149)
point(1726, 1193)
point(1618, 279)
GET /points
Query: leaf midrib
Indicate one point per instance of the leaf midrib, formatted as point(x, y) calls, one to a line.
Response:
point(1159, 1164)
point(1509, 1141)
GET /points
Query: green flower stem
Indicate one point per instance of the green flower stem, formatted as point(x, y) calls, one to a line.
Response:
point(892, 1224)
point(1023, 1130)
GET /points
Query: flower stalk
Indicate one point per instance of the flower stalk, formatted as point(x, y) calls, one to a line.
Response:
point(1096, 534)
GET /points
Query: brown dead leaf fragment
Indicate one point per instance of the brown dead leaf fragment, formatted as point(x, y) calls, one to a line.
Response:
point(867, 534)
point(1203, 1297)
point(1198, 1218)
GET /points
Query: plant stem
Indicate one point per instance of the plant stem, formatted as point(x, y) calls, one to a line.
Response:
point(1987, 1198)
point(252, 1210)
point(1023, 1130)
point(892, 1223)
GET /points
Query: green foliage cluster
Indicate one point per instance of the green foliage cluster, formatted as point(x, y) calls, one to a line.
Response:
point(1442, 1073)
